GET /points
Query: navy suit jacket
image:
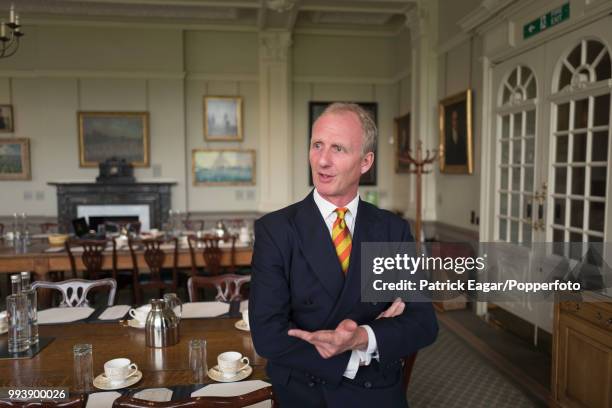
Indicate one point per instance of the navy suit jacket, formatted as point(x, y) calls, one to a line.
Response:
point(297, 282)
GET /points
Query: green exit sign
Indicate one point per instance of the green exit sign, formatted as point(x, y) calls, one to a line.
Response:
point(550, 19)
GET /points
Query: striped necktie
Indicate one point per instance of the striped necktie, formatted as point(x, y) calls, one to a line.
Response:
point(342, 239)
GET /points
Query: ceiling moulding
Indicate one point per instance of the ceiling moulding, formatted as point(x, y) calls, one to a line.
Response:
point(483, 14)
point(202, 76)
point(351, 18)
point(91, 74)
point(346, 32)
point(316, 79)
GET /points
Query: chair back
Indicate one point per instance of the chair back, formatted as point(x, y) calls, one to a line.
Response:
point(194, 225)
point(1, 229)
point(154, 257)
point(74, 291)
point(92, 256)
point(228, 286)
point(238, 401)
point(76, 401)
point(211, 253)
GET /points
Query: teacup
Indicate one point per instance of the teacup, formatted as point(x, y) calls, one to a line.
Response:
point(119, 369)
point(3, 321)
point(245, 318)
point(231, 362)
point(141, 313)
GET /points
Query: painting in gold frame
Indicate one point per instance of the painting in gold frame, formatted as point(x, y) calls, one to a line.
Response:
point(456, 144)
point(6, 119)
point(124, 135)
point(223, 118)
point(15, 159)
point(223, 167)
point(402, 143)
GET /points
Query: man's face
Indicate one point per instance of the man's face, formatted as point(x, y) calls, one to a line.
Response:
point(335, 156)
point(455, 120)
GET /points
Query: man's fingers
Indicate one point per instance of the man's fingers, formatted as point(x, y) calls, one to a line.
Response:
point(348, 325)
point(300, 334)
point(396, 309)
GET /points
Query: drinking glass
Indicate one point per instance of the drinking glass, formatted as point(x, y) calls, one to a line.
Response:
point(83, 367)
point(197, 360)
point(18, 323)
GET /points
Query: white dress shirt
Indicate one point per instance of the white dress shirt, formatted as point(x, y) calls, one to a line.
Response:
point(328, 212)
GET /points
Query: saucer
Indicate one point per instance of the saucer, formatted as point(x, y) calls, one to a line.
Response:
point(135, 324)
point(104, 383)
point(216, 374)
point(241, 325)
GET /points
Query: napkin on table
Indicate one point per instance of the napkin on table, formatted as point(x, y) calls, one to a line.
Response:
point(114, 312)
point(154, 394)
point(64, 314)
point(204, 309)
point(102, 399)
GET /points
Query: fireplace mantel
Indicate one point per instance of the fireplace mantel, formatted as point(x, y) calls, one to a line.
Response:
point(71, 194)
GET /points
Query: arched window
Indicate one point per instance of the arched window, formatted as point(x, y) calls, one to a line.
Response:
point(579, 143)
point(516, 151)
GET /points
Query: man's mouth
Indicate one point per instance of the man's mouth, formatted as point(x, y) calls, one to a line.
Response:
point(325, 177)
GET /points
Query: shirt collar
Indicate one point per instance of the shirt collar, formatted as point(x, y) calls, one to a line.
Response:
point(326, 208)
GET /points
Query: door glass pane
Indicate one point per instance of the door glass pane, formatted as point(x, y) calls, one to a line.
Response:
point(512, 78)
point(563, 117)
point(562, 149)
point(526, 234)
point(517, 131)
point(560, 180)
point(504, 152)
point(558, 236)
point(574, 57)
point(506, 127)
point(514, 206)
point(528, 181)
point(504, 179)
point(579, 152)
point(514, 228)
point(598, 181)
point(516, 151)
point(593, 50)
point(602, 71)
point(503, 204)
point(596, 216)
point(578, 174)
point(575, 250)
point(599, 150)
point(529, 150)
point(559, 211)
point(576, 213)
point(531, 88)
point(516, 179)
point(566, 77)
point(502, 230)
point(581, 113)
point(530, 124)
point(601, 115)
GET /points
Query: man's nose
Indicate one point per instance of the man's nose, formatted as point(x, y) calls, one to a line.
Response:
point(324, 158)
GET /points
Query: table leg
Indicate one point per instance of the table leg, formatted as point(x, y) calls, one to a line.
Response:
point(41, 271)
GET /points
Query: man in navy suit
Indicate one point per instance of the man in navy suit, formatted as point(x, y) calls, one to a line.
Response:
point(326, 348)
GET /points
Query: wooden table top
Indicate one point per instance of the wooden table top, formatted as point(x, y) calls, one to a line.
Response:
point(169, 366)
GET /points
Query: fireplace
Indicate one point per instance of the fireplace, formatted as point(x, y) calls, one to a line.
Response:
point(148, 201)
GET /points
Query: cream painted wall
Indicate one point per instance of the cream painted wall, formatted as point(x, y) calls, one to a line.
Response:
point(450, 12)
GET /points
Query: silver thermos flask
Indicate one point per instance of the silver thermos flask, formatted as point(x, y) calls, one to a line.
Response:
point(162, 325)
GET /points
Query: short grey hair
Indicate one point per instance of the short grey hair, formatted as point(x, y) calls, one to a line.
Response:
point(368, 126)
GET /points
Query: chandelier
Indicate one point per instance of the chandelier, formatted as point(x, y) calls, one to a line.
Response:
point(9, 34)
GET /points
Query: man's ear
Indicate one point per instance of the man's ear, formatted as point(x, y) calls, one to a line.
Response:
point(366, 162)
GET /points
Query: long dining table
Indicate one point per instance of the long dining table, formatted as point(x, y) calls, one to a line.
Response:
point(161, 367)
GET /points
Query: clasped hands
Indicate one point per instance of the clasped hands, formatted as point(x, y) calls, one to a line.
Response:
point(347, 336)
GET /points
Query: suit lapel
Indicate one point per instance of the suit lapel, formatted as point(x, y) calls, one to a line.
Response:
point(318, 247)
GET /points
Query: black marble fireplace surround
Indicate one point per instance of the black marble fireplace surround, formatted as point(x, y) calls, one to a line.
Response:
point(156, 195)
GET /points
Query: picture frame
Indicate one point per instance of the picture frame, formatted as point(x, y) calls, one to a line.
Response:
point(7, 122)
point(402, 142)
point(456, 144)
point(15, 159)
point(223, 118)
point(123, 135)
point(316, 108)
point(223, 167)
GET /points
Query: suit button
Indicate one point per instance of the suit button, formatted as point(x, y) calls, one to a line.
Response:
point(367, 384)
point(374, 303)
point(311, 384)
point(323, 382)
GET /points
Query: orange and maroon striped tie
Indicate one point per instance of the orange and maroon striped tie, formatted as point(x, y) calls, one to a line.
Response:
point(342, 239)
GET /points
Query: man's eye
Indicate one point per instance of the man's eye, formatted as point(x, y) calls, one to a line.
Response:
point(338, 148)
point(316, 145)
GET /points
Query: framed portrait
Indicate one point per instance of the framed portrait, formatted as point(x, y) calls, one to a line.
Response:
point(223, 118)
point(6, 119)
point(223, 167)
point(15, 159)
point(402, 143)
point(124, 135)
point(315, 109)
point(456, 153)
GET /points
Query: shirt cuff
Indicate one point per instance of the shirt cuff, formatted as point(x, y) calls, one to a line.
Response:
point(360, 357)
point(372, 350)
point(353, 365)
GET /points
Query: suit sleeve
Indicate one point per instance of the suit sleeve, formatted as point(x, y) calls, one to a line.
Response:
point(403, 335)
point(269, 315)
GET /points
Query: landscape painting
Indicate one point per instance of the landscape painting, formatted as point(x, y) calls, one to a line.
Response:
point(124, 135)
point(15, 159)
point(223, 167)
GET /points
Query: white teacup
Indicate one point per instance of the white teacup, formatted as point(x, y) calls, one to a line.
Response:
point(231, 362)
point(3, 321)
point(119, 369)
point(141, 313)
point(245, 318)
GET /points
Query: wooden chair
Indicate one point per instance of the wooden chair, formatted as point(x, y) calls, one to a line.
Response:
point(77, 401)
point(238, 401)
point(194, 225)
point(1, 230)
point(211, 253)
point(74, 291)
point(228, 286)
point(154, 258)
point(47, 227)
point(92, 257)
